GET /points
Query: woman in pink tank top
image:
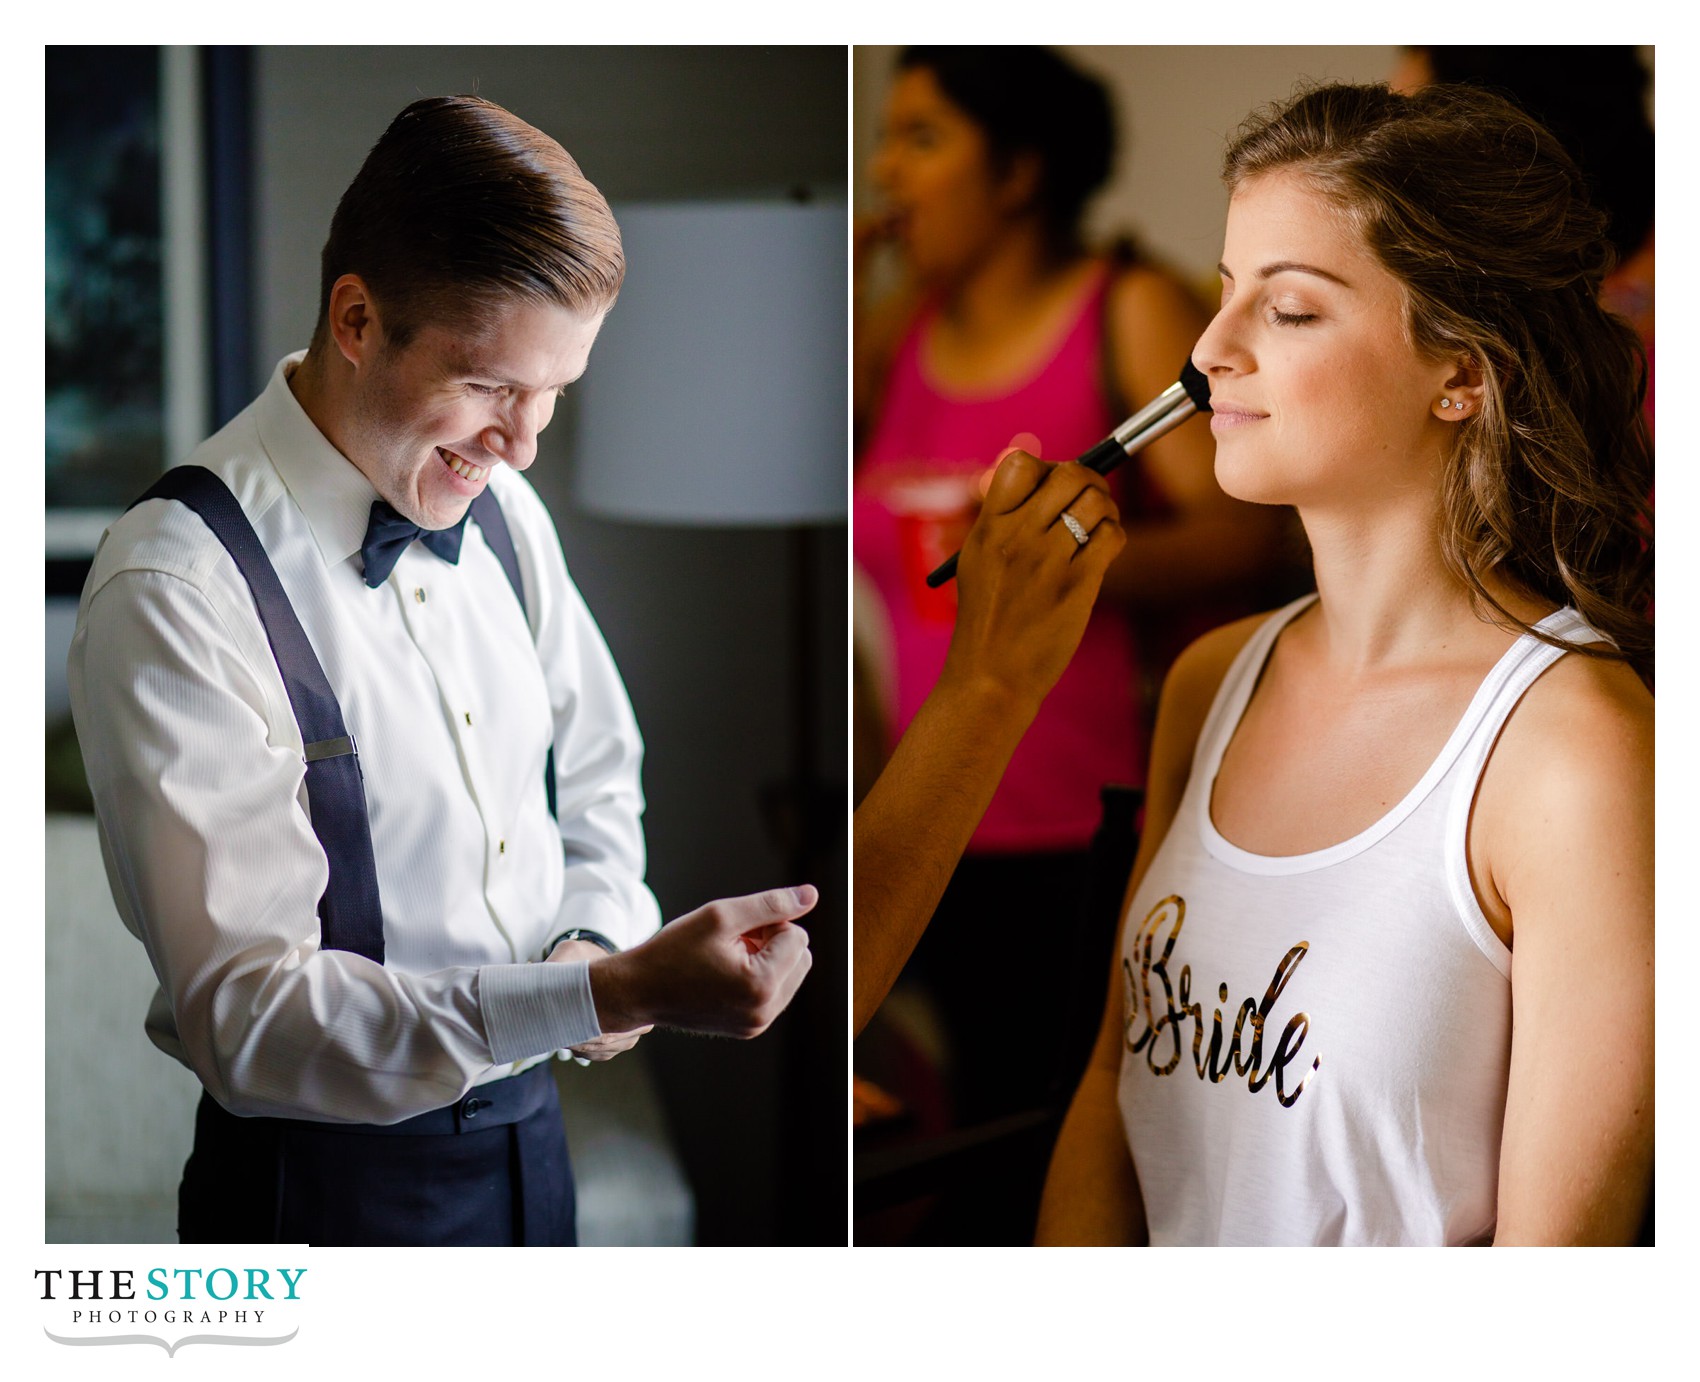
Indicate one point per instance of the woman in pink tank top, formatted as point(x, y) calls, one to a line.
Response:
point(1013, 334)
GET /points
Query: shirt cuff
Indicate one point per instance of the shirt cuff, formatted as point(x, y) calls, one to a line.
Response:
point(530, 1010)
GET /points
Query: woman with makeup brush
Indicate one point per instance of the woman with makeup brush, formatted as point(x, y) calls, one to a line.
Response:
point(1385, 972)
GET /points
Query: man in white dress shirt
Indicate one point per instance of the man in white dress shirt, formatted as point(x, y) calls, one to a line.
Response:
point(370, 939)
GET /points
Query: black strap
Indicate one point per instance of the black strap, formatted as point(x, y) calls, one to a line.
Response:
point(350, 916)
point(495, 529)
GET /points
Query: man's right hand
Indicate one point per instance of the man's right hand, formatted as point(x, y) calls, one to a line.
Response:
point(726, 969)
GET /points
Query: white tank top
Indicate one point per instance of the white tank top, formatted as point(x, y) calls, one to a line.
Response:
point(1315, 1046)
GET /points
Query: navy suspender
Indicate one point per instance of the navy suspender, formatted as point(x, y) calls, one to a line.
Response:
point(495, 528)
point(350, 916)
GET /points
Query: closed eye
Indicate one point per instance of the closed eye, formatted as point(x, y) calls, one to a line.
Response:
point(1281, 318)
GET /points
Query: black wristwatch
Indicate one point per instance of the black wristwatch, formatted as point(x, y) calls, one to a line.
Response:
point(581, 933)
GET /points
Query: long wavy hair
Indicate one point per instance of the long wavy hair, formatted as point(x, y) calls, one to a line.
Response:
point(1478, 211)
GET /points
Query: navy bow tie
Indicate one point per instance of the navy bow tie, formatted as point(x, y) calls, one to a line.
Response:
point(388, 535)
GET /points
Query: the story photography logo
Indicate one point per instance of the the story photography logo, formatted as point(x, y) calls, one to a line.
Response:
point(245, 1297)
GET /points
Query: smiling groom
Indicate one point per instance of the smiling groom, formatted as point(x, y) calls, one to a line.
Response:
point(366, 776)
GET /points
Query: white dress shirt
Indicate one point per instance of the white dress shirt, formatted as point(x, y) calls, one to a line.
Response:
point(451, 692)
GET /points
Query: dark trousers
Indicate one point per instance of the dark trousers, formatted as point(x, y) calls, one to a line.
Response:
point(488, 1171)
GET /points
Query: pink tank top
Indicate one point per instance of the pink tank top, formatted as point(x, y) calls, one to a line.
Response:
point(916, 483)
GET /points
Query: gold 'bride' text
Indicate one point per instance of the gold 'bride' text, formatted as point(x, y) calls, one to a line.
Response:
point(1167, 917)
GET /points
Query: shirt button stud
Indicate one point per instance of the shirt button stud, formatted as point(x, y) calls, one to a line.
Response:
point(419, 594)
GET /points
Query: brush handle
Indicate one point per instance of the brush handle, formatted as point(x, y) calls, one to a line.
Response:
point(1189, 395)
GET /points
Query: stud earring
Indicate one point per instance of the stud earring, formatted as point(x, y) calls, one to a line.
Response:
point(1446, 403)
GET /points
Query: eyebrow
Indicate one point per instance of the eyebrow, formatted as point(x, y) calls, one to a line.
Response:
point(1281, 266)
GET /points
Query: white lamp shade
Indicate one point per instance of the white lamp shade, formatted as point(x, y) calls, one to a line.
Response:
point(715, 394)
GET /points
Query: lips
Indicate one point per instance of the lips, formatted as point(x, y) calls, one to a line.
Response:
point(1226, 405)
point(1225, 416)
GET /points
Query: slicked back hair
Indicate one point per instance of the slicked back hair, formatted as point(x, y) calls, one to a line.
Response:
point(461, 207)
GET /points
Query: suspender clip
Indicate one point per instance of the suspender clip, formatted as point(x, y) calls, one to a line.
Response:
point(329, 748)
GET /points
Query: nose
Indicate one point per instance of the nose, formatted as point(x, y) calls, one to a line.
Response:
point(1221, 349)
point(513, 445)
point(513, 438)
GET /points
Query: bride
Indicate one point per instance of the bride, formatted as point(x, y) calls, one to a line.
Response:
point(1385, 973)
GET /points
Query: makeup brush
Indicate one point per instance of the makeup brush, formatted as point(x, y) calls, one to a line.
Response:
point(1188, 395)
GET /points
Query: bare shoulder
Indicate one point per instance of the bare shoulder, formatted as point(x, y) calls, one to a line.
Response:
point(1205, 661)
point(1191, 686)
point(1585, 721)
point(879, 330)
point(880, 325)
point(1188, 693)
point(1144, 291)
point(1153, 324)
point(1565, 805)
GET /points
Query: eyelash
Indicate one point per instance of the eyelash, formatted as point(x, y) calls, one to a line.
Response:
point(1281, 318)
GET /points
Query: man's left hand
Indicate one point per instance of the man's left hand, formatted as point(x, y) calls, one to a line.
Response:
point(609, 1044)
